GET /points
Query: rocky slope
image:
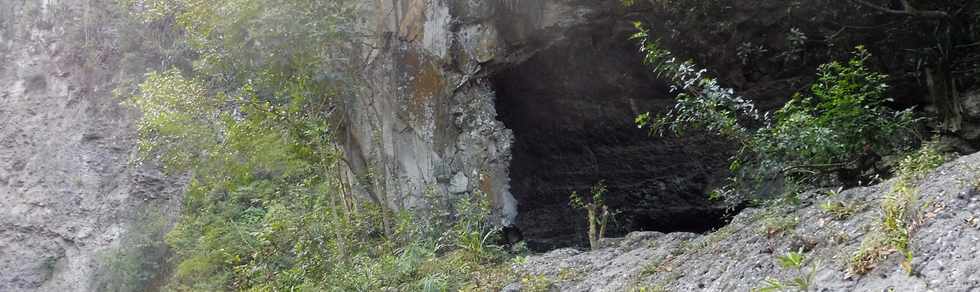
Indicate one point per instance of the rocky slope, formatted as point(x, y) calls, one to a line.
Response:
point(742, 255)
point(526, 100)
point(68, 194)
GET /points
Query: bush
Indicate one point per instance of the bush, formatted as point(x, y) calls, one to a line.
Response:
point(844, 114)
point(838, 126)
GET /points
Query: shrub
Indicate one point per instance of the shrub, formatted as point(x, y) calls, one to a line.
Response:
point(837, 126)
point(844, 113)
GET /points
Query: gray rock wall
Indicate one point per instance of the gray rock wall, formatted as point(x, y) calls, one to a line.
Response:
point(525, 100)
point(67, 191)
point(454, 88)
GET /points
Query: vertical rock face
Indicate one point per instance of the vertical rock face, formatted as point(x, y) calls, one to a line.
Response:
point(425, 121)
point(67, 191)
point(525, 101)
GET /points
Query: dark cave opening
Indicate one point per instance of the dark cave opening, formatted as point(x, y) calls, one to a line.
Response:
point(572, 110)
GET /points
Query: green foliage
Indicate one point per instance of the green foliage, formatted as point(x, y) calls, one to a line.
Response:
point(597, 213)
point(265, 211)
point(918, 164)
point(537, 283)
point(839, 210)
point(845, 113)
point(653, 267)
point(842, 118)
point(792, 260)
point(702, 104)
point(268, 38)
point(178, 119)
point(778, 225)
point(900, 213)
point(795, 46)
point(473, 231)
point(140, 258)
point(264, 43)
point(267, 207)
point(658, 288)
point(801, 280)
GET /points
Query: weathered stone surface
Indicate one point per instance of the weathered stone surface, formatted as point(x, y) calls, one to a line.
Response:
point(459, 184)
point(971, 105)
point(525, 100)
point(528, 101)
point(67, 191)
point(970, 131)
point(741, 256)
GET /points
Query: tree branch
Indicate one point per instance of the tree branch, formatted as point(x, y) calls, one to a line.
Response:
point(907, 10)
point(821, 167)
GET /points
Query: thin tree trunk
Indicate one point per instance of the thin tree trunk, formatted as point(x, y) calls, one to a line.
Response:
point(602, 222)
point(593, 240)
point(942, 89)
point(341, 240)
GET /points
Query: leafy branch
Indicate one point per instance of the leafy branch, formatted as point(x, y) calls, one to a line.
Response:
point(838, 127)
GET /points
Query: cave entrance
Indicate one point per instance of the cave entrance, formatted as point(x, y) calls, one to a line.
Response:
point(571, 109)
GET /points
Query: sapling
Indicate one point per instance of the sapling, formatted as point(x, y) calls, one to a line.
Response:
point(598, 213)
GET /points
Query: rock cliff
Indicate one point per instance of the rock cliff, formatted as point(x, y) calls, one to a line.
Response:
point(68, 193)
point(525, 100)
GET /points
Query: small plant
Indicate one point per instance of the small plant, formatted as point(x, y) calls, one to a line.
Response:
point(900, 213)
point(473, 231)
point(840, 237)
point(491, 278)
point(598, 213)
point(536, 283)
point(569, 274)
point(839, 210)
point(776, 226)
point(657, 288)
point(802, 280)
point(681, 248)
point(835, 192)
point(795, 45)
point(702, 243)
point(654, 266)
point(873, 249)
point(747, 51)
